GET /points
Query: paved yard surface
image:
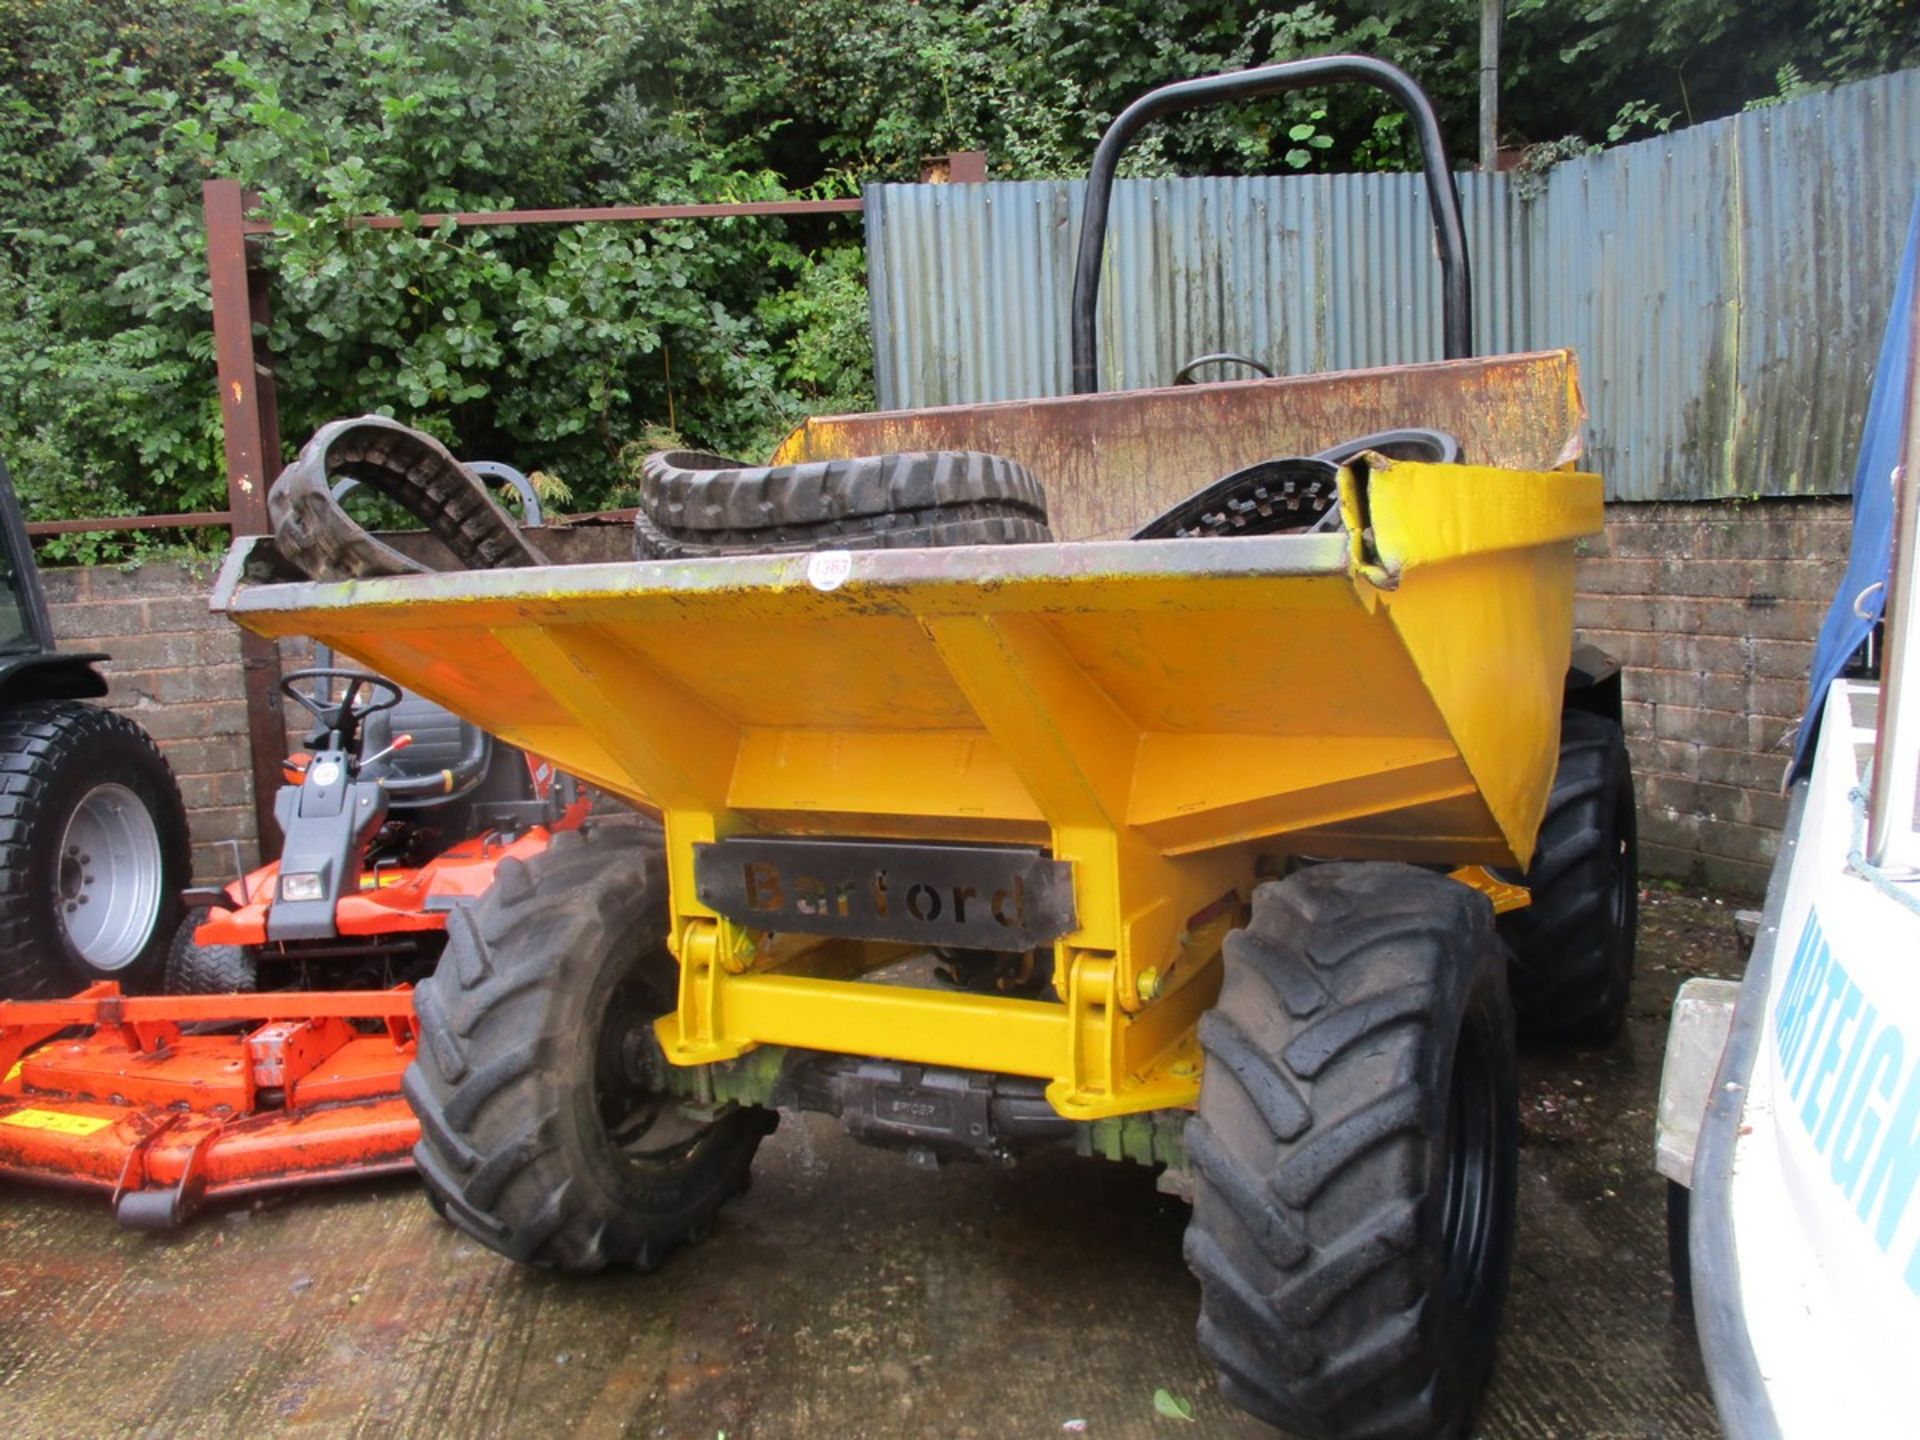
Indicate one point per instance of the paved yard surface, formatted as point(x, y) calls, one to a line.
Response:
point(846, 1296)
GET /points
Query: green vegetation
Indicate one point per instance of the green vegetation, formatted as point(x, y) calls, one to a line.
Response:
point(567, 348)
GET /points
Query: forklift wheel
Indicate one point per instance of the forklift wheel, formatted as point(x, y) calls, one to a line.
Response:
point(1354, 1154)
point(195, 969)
point(93, 851)
point(541, 1129)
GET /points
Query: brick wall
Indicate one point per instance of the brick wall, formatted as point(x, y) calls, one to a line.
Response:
point(1712, 608)
point(176, 670)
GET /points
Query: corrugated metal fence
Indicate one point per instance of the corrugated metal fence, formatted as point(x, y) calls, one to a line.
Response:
point(1724, 287)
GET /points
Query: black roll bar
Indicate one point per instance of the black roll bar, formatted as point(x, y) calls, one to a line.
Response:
point(1442, 197)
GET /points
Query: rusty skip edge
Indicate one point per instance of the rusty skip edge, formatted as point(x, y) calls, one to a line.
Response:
point(1111, 461)
point(1545, 382)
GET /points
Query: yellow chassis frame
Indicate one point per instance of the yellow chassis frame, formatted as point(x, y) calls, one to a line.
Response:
point(1100, 1055)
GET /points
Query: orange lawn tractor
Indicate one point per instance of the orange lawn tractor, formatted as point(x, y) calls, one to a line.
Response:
point(396, 815)
point(276, 1061)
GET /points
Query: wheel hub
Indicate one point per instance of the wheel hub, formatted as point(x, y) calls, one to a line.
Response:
point(642, 1122)
point(108, 885)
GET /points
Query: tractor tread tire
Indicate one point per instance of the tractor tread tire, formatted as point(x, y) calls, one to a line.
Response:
point(196, 969)
point(1317, 1231)
point(312, 531)
point(510, 1146)
point(51, 753)
point(693, 504)
point(1572, 957)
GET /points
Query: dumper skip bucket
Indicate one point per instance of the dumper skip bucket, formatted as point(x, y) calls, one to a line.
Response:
point(1148, 718)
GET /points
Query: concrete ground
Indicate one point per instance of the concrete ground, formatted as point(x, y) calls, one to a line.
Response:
point(847, 1296)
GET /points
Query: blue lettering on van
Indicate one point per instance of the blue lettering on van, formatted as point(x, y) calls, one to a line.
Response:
point(1843, 1066)
point(1790, 1017)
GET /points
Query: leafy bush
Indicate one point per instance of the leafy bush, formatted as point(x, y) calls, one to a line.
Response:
point(548, 346)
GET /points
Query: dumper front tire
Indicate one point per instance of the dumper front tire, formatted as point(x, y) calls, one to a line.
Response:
point(1354, 1155)
point(542, 1134)
point(1573, 946)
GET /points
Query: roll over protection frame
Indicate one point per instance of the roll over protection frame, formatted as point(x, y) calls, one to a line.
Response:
point(1444, 200)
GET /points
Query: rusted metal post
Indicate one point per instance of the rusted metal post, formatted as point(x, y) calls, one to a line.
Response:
point(249, 416)
point(956, 167)
point(233, 317)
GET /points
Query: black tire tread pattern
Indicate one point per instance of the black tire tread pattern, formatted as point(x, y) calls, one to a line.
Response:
point(695, 504)
point(502, 1017)
point(1572, 975)
point(41, 743)
point(196, 969)
point(414, 470)
point(1314, 1233)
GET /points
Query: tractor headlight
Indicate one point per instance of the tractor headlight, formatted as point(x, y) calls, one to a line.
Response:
point(302, 887)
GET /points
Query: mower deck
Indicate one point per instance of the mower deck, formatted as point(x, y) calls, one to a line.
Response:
point(293, 1094)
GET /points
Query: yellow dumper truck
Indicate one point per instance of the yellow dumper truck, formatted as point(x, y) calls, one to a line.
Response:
point(1201, 777)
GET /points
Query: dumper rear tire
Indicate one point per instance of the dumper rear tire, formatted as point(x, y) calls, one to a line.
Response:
point(694, 504)
point(543, 1134)
point(1573, 946)
point(1354, 1155)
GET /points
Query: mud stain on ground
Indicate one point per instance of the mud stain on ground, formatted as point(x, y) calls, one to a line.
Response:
point(847, 1296)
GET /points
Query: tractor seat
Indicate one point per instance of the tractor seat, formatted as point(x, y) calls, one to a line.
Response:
point(442, 742)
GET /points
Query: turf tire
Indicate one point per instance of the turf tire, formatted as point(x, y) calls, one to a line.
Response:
point(551, 974)
point(694, 504)
point(196, 969)
point(1354, 1155)
point(1573, 947)
point(55, 755)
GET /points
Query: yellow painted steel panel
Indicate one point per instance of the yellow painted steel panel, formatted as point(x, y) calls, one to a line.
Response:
point(715, 684)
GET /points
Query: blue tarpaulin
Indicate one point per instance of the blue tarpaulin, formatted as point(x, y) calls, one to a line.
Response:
point(1858, 603)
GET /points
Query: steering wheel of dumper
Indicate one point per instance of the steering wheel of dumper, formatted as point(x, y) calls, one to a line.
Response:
point(1184, 375)
point(366, 694)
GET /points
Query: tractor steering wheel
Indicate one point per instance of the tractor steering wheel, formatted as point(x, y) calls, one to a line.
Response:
point(345, 715)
